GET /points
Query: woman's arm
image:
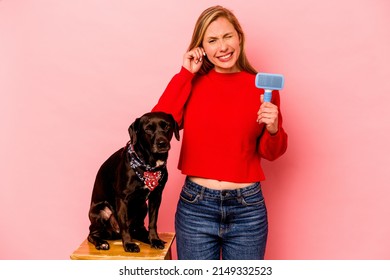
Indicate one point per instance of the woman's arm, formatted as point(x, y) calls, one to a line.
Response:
point(175, 96)
point(273, 141)
point(178, 90)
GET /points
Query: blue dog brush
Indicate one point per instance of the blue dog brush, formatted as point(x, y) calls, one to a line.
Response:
point(269, 82)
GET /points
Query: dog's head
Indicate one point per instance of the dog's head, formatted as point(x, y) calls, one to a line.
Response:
point(152, 133)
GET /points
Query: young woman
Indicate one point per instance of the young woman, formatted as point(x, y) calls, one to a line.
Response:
point(227, 130)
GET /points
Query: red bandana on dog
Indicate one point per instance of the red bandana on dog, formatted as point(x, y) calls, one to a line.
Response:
point(151, 179)
point(151, 176)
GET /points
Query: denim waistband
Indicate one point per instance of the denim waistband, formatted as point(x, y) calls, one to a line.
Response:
point(245, 191)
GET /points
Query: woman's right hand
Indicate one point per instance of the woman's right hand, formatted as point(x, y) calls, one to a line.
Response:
point(193, 59)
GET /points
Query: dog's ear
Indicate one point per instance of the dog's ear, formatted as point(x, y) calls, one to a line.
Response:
point(176, 128)
point(133, 131)
point(176, 131)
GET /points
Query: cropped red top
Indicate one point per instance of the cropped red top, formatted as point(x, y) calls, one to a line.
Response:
point(221, 138)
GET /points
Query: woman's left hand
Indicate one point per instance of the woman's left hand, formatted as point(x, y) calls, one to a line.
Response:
point(268, 114)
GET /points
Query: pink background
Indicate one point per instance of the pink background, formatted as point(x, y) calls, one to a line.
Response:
point(74, 75)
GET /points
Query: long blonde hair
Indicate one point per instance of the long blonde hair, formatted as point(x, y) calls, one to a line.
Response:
point(205, 19)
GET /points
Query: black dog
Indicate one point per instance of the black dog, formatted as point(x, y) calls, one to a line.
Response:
point(126, 180)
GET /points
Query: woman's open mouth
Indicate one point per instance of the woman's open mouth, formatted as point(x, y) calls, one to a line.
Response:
point(226, 57)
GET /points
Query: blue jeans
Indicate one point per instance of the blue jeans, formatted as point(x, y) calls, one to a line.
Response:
point(214, 224)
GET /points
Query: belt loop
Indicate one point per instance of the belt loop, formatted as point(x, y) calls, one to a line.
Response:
point(201, 192)
point(239, 197)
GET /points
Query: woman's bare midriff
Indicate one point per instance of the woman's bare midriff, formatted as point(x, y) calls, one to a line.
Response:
point(218, 185)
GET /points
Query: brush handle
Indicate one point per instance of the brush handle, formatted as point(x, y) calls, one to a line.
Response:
point(267, 95)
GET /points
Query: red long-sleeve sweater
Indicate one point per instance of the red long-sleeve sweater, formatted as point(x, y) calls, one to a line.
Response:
point(221, 138)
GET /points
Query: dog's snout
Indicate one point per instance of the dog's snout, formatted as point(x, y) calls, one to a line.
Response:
point(162, 144)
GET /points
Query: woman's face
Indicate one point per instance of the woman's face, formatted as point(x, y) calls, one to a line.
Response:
point(222, 45)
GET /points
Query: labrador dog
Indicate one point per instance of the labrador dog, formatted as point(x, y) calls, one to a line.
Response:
point(129, 178)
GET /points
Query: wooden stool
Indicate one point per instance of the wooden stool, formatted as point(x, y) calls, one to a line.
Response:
point(87, 251)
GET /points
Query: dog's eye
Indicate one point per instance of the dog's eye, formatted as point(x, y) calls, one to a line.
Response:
point(164, 125)
point(149, 128)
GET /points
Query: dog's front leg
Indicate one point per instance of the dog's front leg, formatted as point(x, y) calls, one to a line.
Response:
point(124, 223)
point(154, 206)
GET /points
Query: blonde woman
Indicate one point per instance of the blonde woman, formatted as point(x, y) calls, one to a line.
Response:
point(227, 130)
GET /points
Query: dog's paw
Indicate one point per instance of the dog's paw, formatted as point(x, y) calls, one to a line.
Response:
point(102, 246)
point(157, 244)
point(131, 247)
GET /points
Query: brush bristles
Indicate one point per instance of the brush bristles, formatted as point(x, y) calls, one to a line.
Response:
point(269, 81)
